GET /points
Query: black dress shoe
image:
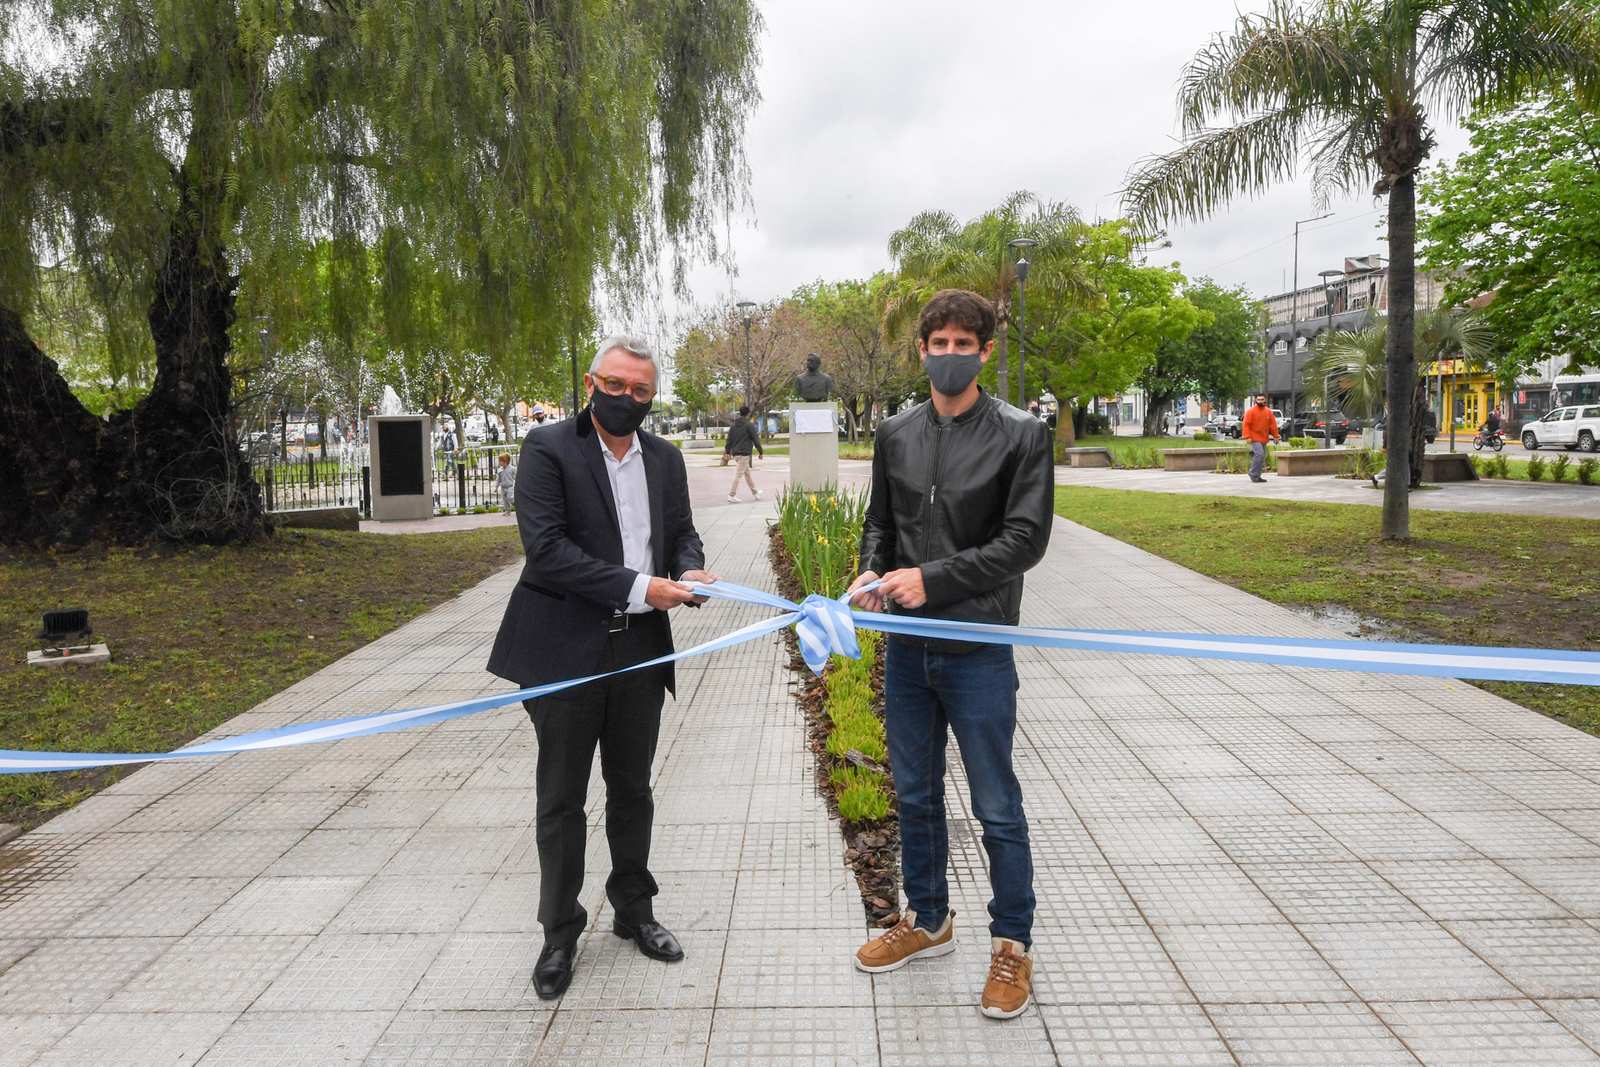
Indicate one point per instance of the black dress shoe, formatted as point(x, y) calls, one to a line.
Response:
point(553, 973)
point(653, 939)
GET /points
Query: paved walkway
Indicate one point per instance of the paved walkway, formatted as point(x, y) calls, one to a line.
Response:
point(1507, 497)
point(1235, 864)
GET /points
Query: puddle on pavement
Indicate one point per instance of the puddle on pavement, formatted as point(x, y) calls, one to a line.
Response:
point(1348, 622)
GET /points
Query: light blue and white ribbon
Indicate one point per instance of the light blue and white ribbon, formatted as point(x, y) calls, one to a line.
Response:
point(826, 627)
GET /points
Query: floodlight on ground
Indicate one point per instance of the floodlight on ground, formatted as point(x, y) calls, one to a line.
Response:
point(65, 634)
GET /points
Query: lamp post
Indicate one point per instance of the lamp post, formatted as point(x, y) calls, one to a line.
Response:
point(1022, 244)
point(1327, 277)
point(746, 307)
point(1294, 319)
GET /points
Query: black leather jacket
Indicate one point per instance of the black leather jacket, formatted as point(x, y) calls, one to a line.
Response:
point(969, 500)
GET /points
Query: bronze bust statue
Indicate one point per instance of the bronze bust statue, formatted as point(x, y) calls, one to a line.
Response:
point(813, 385)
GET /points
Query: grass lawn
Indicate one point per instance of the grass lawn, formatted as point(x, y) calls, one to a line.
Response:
point(1463, 578)
point(199, 635)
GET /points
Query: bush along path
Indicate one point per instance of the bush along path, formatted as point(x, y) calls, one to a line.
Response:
point(814, 550)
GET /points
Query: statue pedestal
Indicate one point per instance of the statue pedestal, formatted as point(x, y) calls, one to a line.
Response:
point(814, 445)
point(402, 466)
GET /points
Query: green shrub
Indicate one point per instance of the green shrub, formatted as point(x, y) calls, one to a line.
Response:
point(823, 533)
point(1501, 466)
point(1363, 463)
point(1480, 466)
point(1304, 442)
point(1558, 469)
point(861, 792)
point(1204, 435)
point(1586, 471)
point(1536, 465)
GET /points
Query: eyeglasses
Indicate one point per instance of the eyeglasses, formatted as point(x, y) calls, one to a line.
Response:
point(617, 386)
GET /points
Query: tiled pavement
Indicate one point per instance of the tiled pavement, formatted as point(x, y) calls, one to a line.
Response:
point(1235, 864)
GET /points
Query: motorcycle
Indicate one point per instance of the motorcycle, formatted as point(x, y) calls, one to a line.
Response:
point(1496, 440)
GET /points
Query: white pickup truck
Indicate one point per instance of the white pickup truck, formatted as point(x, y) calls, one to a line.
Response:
point(1576, 426)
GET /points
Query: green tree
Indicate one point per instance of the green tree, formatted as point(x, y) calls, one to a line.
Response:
point(499, 156)
point(1352, 86)
point(934, 251)
point(719, 357)
point(1095, 337)
point(867, 368)
point(1213, 361)
point(1516, 216)
point(1349, 368)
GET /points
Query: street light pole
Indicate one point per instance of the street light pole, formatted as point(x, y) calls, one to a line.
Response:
point(745, 307)
point(1022, 244)
point(1327, 277)
point(1294, 319)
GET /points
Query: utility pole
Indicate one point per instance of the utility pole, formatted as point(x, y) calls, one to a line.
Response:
point(746, 308)
point(1294, 318)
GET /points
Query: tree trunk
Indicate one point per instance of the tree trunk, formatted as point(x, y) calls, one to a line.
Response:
point(1066, 432)
point(1155, 416)
point(169, 469)
point(51, 479)
point(186, 479)
point(1401, 354)
point(1002, 376)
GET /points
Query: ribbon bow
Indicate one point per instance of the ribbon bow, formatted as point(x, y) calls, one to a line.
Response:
point(826, 628)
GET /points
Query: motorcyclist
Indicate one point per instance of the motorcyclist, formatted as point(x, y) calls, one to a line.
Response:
point(1491, 425)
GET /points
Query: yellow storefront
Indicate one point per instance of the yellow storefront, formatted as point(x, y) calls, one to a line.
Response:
point(1467, 392)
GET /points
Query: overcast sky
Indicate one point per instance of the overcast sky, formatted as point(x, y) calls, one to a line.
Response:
point(874, 110)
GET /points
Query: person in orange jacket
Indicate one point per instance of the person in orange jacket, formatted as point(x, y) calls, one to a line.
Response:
point(1258, 426)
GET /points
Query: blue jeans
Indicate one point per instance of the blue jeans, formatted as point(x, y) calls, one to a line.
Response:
point(973, 694)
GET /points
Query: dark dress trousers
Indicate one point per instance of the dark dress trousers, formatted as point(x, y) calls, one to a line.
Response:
point(561, 623)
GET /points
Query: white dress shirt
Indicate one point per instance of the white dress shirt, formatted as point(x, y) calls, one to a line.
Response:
point(632, 495)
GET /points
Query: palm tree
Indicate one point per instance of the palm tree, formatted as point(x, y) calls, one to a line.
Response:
point(1359, 361)
point(934, 251)
point(1350, 85)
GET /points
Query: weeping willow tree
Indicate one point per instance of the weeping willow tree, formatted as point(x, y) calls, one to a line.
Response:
point(501, 158)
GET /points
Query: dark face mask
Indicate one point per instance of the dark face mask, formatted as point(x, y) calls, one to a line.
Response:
point(619, 416)
point(951, 375)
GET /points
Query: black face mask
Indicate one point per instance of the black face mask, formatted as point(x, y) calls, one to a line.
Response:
point(619, 416)
point(952, 374)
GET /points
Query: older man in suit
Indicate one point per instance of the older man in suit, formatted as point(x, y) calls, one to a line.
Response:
point(603, 509)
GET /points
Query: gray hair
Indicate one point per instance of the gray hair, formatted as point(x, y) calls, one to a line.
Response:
point(634, 346)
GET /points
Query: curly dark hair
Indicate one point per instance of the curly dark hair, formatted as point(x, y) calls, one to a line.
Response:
point(958, 307)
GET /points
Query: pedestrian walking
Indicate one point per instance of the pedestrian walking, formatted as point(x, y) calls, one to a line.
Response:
point(1258, 426)
point(506, 478)
point(961, 506)
point(742, 437)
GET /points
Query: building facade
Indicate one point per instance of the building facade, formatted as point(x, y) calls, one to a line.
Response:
point(1348, 300)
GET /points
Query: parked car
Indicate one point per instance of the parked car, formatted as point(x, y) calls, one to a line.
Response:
point(1320, 424)
point(261, 446)
point(1430, 430)
point(1222, 424)
point(1576, 426)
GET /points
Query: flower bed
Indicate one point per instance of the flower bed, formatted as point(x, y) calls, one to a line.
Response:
point(815, 550)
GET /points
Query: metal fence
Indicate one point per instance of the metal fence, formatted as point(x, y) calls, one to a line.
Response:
point(463, 479)
point(301, 484)
point(466, 478)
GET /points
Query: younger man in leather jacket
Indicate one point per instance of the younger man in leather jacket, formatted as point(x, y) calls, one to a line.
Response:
point(962, 489)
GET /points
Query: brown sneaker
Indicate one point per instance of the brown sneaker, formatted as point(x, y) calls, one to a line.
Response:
point(904, 942)
point(1009, 990)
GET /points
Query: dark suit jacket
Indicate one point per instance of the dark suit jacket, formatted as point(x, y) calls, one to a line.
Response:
point(573, 578)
